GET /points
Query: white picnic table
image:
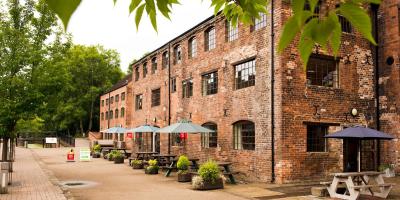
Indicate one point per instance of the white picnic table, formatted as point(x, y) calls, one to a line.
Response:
point(358, 183)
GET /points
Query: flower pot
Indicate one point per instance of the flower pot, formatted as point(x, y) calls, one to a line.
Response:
point(208, 185)
point(151, 170)
point(110, 158)
point(118, 160)
point(96, 155)
point(184, 177)
point(137, 166)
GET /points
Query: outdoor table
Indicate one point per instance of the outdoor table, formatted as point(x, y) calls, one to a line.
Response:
point(163, 159)
point(144, 155)
point(172, 166)
point(359, 183)
point(227, 170)
point(120, 149)
point(105, 151)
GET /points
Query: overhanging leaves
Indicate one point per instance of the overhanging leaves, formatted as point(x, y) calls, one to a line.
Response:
point(63, 9)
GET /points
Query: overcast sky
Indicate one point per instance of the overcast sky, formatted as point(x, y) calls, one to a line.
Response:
point(100, 22)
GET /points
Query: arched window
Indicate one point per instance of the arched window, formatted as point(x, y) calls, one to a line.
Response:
point(177, 54)
point(106, 114)
point(192, 50)
point(209, 39)
point(244, 135)
point(116, 113)
point(111, 114)
point(209, 140)
point(102, 116)
point(122, 112)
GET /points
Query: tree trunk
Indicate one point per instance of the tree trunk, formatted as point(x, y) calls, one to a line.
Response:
point(81, 127)
point(4, 152)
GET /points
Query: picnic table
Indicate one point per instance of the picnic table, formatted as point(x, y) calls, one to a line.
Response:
point(106, 150)
point(163, 159)
point(358, 183)
point(172, 166)
point(227, 171)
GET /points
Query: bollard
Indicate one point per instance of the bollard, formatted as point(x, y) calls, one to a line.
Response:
point(71, 156)
point(4, 177)
point(26, 144)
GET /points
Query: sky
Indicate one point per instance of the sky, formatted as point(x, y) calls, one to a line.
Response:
point(100, 22)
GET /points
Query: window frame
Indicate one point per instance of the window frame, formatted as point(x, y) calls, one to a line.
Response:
point(239, 145)
point(137, 73)
point(122, 112)
point(310, 146)
point(173, 85)
point(164, 59)
point(116, 112)
point(102, 116)
point(209, 140)
point(156, 98)
point(210, 43)
point(259, 23)
point(232, 33)
point(208, 88)
point(110, 114)
point(139, 102)
point(117, 98)
point(111, 99)
point(102, 103)
point(192, 47)
point(177, 54)
point(187, 88)
point(323, 59)
point(153, 65)
point(248, 66)
point(145, 70)
point(123, 96)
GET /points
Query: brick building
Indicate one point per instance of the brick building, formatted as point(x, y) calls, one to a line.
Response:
point(269, 112)
point(113, 106)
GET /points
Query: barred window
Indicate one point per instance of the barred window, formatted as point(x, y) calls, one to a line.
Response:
point(232, 32)
point(116, 113)
point(122, 114)
point(209, 140)
point(187, 88)
point(144, 70)
point(260, 22)
point(138, 102)
point(345, 24)
point(192, 47)
point(322, 71)
point(244, 135)
point(117, 98)
point(123, 96)
point(209, 83)
point(155, 97)
point(154, 65)
point(177, 54)
point(102, 102)
point(210, 39)
point(315, 138)
point(165, 60)
point(245, 74)
point(102, 116)
point(110, 114)
point(173, 85)
point(137, 73)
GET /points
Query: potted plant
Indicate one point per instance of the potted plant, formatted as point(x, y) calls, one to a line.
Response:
point(96, 151)
point(137, 164)
point(388, 169)
point(209, 177)
point(152, 168)
point(110, 155)
point(118, 157)
point(183, 169)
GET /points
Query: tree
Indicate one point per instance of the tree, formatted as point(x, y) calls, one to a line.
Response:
point(324, 31)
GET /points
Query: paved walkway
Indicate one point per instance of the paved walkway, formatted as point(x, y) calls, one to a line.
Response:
point(30, 182)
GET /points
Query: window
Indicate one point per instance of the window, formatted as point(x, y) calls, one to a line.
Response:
point(116, 113)
point(138, 103)
point(106, 114)
point(209, 83)
point(107, 101)
point(173, 85)
point(144, 70)
point(122, 114)
point(176, 139)
point(260, 22)
point(137, 73)
point(111, 100)
point(317, 10)
point(110, 115)
point(123, 96)
point(232, 32)
point(117, 98)
point(210, 39)
point(155, 97)
point(165, 60)
point(102, 116)
point(315, 138)
point(177, 54)
point(244, 135)
point(121, 137)
point(209, 139)
point(154, 65)
point(102, 102)
point(245, 74)
point(345, 24)
point(187, 88)
point(322, 71)
point(192, 47)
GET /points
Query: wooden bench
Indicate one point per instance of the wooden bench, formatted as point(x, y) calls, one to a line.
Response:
point(358, 187)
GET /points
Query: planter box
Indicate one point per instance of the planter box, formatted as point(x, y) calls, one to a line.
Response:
point(151, 171)
point(218, 184)
point(118, 160)
point(110, 159)
point(96, 155)
point(185, 177)
point(137, 166)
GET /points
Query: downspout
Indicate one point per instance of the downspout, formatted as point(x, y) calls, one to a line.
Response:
point(272, 94)
point(375, 8)
point(109, 104)
point(169, 96)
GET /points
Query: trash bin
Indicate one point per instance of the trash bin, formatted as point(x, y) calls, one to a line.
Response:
point(4, 177)
point(26, 144)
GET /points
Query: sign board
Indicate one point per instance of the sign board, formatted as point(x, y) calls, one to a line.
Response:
point(84, 154)
point(129, 135)
point(51, 140)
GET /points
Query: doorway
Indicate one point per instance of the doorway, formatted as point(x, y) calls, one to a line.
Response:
point(350, 151)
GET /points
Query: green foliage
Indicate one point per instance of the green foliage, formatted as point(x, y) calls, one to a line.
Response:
point(385, 166)
point(152, 165)
point(118, 154)
point(64, 8)
point(153, 162)
point(136, 162)
point(183, 163)
point(96, 148)
point(209, 171)
point(34, 125)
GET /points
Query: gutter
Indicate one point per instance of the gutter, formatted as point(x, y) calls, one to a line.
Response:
point(272, 94)
point(169, 95)
point(375, 8)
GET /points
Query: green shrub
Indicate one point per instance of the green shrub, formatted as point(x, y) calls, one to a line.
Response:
point(209, 171)
point(96, 148)
point(110, 155)
point(183, 163)
point(152, 165)
point(382, 167)
point(118, 154)
point(136, 162)
point(153, 162)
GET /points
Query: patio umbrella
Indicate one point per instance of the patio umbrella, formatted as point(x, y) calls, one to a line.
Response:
point(116, 130)
point(184, 126)
point(146, 129)
point(360, 133)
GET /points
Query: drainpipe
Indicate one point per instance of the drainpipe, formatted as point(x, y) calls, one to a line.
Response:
point(375, 9)
point(109, 104)
point(272, 94)
point(169, 96)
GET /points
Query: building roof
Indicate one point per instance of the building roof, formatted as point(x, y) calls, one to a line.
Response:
point(119, 84)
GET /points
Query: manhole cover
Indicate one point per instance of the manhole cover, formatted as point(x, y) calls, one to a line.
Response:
point(78, 184)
